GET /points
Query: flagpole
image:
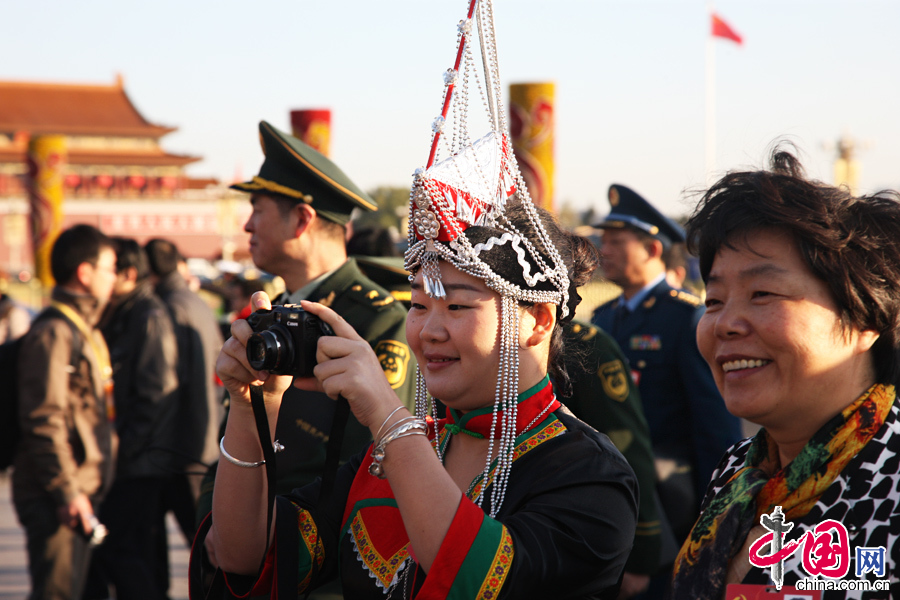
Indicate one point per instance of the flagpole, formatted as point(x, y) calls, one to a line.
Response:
point(710, 129)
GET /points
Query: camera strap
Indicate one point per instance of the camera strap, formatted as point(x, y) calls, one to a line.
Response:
point(329, 472)
point(265, 440)
point(333, 452)
point(286, 578)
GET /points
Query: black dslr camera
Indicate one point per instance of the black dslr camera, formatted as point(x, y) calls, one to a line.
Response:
point(284, 340)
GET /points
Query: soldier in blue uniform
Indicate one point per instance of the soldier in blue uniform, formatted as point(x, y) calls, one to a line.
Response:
point(655, 325)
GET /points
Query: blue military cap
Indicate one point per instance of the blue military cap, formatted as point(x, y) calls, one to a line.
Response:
point(630, 209)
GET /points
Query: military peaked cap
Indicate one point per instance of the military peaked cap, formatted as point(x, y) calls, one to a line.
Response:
point(630, 209)
point(297, 172)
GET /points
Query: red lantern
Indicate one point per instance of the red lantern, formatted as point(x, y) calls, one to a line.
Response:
point(170, 183)
point(137, 181)
point(72, 180)
point(104, 181)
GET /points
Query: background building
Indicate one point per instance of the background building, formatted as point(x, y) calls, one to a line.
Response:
point(117, 176)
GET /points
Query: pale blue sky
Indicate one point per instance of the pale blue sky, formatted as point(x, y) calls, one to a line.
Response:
point(629, 79)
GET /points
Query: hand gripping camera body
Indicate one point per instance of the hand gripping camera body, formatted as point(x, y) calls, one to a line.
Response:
point(284, 340)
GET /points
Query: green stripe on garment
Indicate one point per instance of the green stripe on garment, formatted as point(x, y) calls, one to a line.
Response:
point(308, 535)
point(476, 572)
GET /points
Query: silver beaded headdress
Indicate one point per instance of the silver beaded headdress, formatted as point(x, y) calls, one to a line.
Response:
point(457, 214)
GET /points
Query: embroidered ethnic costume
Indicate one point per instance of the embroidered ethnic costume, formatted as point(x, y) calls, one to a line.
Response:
point(363, 535)
point(561, 523)
point(761, 484)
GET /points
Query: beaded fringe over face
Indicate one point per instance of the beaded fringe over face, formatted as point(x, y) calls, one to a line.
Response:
point(471, 187)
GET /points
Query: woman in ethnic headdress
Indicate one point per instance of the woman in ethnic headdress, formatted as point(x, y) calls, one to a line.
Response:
point(557, 516)
point(801, 334)
point(510, 495)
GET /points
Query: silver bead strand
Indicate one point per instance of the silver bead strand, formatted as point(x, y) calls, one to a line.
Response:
point(511, 333)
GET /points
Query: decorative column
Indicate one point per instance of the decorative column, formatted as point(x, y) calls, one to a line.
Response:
point(313, 128)
point(46, 161)
point(532, 125)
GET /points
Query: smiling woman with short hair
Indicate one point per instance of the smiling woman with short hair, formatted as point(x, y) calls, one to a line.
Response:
point(801, 335)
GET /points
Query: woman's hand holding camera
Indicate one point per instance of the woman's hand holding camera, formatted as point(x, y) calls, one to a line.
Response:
point(347, 366)
point(234, 369)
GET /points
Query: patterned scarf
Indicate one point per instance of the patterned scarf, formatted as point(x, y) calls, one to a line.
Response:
point(532, 403)
point(754, 490)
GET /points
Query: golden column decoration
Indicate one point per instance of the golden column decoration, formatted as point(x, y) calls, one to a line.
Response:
point(46, 162)
point(532, 123)
point(846, 166)
point(313, 128)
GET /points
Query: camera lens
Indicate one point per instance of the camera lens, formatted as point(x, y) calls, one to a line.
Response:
point(269, 350)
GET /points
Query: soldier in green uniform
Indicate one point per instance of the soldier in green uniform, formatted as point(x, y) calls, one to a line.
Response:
point(605, 397)
point(301, 205)
point(388, 272)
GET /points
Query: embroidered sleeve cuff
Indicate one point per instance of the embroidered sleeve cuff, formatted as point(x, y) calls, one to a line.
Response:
point(474, 560)
point(309, 549)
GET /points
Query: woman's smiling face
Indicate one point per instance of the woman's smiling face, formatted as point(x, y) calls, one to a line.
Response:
point(773, 336)
point(456, 339)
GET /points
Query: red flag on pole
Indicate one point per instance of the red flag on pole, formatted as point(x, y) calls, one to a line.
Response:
point(721, 29)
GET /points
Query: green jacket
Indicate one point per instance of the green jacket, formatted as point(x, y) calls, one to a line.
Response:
point(304, 422)
point(605, 397)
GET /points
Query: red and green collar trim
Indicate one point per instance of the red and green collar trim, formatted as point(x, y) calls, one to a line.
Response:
point(477, 423)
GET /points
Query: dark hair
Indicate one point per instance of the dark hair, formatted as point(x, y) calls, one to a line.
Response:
point(851, 243)
point(130, 254)
point(286, 204)
point(163, 256)
point(74, 246)
point(675, 256)
point(372, 241)
point(581, 259)
point(330, 229)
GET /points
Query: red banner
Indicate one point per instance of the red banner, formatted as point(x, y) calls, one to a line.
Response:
point(723, 30)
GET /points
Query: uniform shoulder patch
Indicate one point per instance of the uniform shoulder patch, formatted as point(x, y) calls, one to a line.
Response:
point(394, 359)
point(621, 438)
point(685, 297)
point(376, 298)
point(328, 300)
point(614, 378)
point(584, 332)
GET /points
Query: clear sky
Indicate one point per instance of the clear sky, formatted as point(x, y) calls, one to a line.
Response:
point(629, 79)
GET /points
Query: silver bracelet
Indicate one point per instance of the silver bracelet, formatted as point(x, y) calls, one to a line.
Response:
point(386, 419)
point(402, 428)
point(277, 446)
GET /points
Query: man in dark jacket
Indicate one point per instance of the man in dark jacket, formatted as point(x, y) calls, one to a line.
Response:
point(143, 353)
point(64, 461)
point(199, 340)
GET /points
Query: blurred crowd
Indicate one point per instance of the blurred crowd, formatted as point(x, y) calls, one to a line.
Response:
point(122, 414)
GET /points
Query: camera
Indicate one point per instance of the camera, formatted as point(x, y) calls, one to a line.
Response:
point(284, 340)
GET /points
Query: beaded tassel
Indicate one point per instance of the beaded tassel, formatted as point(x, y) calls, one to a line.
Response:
point(472, 186)
point(505, 402)
point(425, 408)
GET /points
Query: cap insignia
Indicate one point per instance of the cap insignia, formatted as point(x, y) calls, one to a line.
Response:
point(613, 197)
